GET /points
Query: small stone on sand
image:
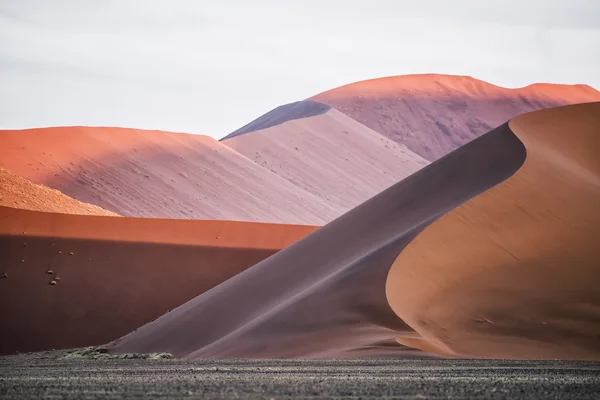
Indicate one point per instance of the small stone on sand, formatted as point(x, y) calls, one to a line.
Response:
point(52, 282)
point(49, 272)
point(3, 276)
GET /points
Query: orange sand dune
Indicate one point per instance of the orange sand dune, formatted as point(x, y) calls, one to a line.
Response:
point(434, 114)
point(330, 155)
point(18, 192)
point(514, 214)
point(157, 174)
point(114, 273)
point(514, 272)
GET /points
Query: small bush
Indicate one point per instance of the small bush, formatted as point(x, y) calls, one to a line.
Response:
point(101, 353)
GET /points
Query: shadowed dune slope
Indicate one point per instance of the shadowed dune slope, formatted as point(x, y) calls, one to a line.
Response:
point(434, 114)
point(157, 174)
point(281, 114)
point(324, 296)
point(514, 272)
point(114, 274)
point(519, 230)
point(331, 156)
point(18, 192)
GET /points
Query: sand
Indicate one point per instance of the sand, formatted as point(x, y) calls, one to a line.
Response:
point(157, 174)
point(331, 156)
point(514, 272)
point(448, 233)
point(18, 192)
point(114, 274)
point(324, 296)
point(434, 114)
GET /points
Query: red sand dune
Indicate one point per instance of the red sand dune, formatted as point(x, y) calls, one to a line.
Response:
point(329, 155)
point(115, 274)
point(514, 212)
point(434, 114)
point(18, 192)
point(513, 273)
point(157, 174)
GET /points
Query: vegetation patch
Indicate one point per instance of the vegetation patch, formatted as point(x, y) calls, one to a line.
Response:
point(101, 353)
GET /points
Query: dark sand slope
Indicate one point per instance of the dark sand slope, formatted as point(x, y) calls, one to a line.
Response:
point(18, 192)
point(331, 156)
point(324, 296)
point(434, 114)
point(157, 174)
point(515, 271)
point(115, 273)
point(281, 114)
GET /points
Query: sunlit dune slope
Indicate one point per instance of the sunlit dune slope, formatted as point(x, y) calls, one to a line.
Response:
point(329, 155)
point(514, 271)
point(157, 174)
point(18, 192)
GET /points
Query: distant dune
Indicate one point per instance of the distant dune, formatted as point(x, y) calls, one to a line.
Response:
point(114, 274)
point(490, 251)
point(329, 155)
point(157, 174)
point(434, 114)
point(18, 192)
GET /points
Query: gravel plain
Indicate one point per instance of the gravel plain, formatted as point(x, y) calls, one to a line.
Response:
point(49, 376)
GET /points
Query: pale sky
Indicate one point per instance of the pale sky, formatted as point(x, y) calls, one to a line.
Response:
point(210, 67)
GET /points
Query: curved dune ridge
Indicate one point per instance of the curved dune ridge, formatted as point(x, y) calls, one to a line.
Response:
point(433, 114)
point(514, 272)
point(157, 174)
point(114, 274)
point(511, 205)
point(18, 192)
point(331, 156)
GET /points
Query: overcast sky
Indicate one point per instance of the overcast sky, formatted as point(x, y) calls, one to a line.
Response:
point(209, 67)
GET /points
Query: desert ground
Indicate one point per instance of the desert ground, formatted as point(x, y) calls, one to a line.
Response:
point(48, 376)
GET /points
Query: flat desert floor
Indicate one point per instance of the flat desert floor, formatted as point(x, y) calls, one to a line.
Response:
point(48, 376)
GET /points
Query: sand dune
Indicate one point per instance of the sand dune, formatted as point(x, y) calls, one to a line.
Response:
point(434, 114)
point(514, 214)
point(514, 272)
point(329, 155)
point(157, 174)
point(18, 192)
point(114, 274)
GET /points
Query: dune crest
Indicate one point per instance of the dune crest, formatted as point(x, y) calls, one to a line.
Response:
point(378, 273)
